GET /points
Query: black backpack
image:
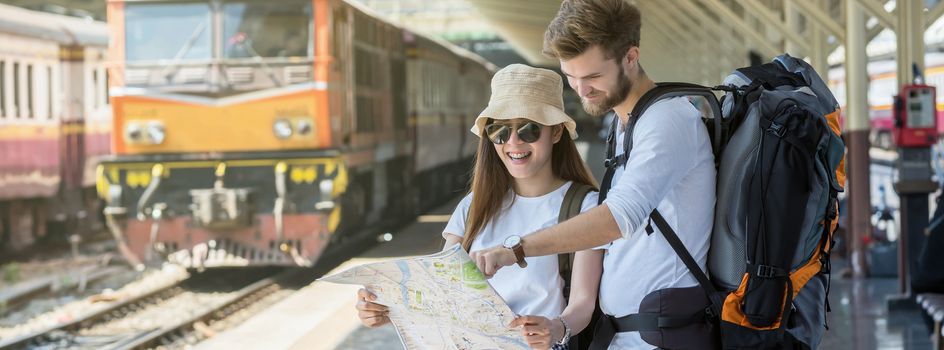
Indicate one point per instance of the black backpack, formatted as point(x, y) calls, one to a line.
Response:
point(929, 275)
point(780, 160)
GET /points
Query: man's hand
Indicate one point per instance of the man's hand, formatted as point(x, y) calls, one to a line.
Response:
point(540, 332)
point(492, 259)
point(371, 315)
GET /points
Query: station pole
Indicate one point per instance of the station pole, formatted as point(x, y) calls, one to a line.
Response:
point(857, 136)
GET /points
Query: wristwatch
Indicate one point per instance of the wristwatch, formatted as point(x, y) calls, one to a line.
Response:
point(514, 243)
point(566, 337)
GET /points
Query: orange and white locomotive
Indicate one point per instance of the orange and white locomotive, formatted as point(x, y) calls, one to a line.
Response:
point(261, 132)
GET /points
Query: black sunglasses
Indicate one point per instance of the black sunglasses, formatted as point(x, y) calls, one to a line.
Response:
point(529, 132)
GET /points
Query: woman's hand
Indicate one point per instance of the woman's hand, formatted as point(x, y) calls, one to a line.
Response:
point(371, 315)
point(540, 332)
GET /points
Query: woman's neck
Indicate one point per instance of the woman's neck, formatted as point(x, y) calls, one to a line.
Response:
point(537, 185)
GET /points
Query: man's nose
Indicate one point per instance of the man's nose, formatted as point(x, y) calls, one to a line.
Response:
point(584, 89)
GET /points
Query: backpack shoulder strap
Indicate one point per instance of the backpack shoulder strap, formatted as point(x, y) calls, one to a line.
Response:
point(688, 260)
point(669, 90)
point(573, 201)
point(659, 92)
point(570, 207)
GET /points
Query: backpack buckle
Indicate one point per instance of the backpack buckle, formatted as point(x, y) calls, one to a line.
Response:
point(767, 271)
point(607, 162)
point(776, 129)
point(710, 314)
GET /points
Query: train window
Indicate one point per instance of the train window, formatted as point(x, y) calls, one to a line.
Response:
point(337, 23)
point(3, 89)
point(156, 31)
point(16, 90)
point(105, 86)
point(93, 91)
point(99, 87)
point(363, 65)
point(266, 29)
point(365, 114)
point(360, 28)
point(30, 107)
point(49, 92)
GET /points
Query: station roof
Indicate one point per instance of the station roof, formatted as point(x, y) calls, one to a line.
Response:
point(690, 40)
point(713, 35)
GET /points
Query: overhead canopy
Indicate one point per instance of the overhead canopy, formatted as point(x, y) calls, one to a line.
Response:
point(702, 40)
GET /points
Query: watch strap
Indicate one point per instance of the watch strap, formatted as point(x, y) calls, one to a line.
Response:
point(519, 254)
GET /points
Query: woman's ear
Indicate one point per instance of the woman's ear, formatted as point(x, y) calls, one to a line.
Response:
point(558, 132)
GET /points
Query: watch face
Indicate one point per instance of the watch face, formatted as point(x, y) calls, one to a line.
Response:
point(512, 241)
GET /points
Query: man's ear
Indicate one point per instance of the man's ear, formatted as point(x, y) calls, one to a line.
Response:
point(558, 132)
point(631, 60)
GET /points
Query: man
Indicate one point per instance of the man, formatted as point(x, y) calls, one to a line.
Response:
point(671, 168)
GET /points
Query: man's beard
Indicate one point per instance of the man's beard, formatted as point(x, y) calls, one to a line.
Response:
point(623, 85)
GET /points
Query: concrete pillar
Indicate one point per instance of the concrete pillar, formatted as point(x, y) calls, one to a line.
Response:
point(910, 37)
point(857, 134)
point(820, 48)
point(793, 23)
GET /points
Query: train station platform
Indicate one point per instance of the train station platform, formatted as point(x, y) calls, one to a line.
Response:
point(321, 315)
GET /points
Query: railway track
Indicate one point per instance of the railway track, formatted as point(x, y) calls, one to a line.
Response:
point(176, 314)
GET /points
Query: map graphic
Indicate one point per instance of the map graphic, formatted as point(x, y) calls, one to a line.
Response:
point(438, 301)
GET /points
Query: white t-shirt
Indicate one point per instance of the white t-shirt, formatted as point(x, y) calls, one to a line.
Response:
point(537, 289)
point(671, 165)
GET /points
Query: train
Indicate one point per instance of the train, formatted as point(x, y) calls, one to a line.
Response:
point(269, 133)
point(883, 86)
point(55, 123)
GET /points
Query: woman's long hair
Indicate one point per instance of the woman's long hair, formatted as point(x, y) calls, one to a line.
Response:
point(491, 181)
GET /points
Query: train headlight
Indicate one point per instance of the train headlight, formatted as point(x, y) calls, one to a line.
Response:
point(155, 132)
point(282, 128)
point(304, 127)
point(325, 201)
point(114, 195)
point(326, 187)
point(134, 133)
point(144, 132)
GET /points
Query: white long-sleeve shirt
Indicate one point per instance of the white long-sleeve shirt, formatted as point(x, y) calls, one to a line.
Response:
point(671, 167)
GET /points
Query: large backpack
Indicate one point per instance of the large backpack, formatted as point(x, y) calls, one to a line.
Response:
point(780, 160)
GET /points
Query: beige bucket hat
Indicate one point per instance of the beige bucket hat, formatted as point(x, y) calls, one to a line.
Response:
point(520, 91)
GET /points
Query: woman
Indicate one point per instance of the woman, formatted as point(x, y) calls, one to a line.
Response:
point(524, 166)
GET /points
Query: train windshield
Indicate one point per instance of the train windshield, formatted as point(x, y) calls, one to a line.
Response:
point(165, 31)
point(267, 29)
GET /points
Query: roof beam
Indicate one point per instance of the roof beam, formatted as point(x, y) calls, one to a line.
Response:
point(668, 21)
point(662, 52)
point(690, 67)
point(676, 36)
point(820, 17)
point(877, 10)
point(513, 16)
point(725, 11)
point(767, 15)
point(698, 14)
point(934, 14)
point(719, 62)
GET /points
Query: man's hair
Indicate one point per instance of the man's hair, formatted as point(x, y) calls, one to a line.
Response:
point(580, 24)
